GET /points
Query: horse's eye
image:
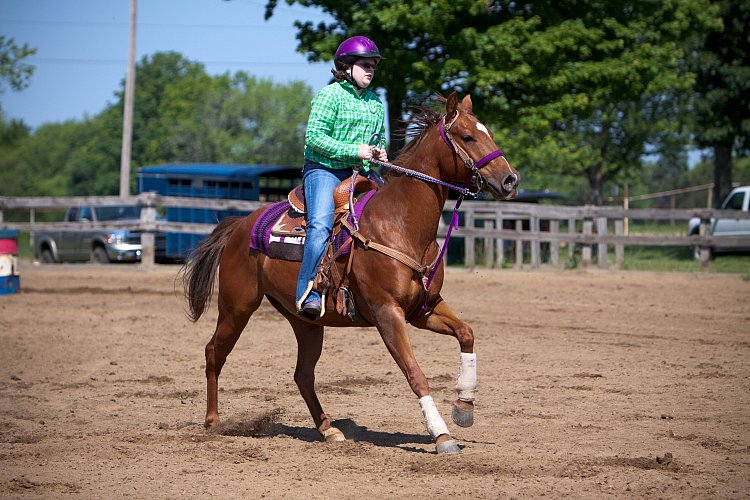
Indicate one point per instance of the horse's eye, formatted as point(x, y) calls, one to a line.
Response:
point(468, 138)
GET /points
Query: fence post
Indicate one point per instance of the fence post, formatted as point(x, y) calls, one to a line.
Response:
point(535, 243)
point(571, 244)
point(519, 244)
point(626, 206)
point(488, 244)
point(588, 230)
point(601, 229)
point(554, 244)
point(499, 243)
point(705, 251)
point(148, 254)
point(32, 241)
point(619, 247)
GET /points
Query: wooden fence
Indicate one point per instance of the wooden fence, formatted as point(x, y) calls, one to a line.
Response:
point(496, 231)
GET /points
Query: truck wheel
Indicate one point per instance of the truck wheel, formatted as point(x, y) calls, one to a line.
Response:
point(99, 256)
point(46, 257)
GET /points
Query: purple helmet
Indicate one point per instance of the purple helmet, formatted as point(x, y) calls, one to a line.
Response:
point(356, 47)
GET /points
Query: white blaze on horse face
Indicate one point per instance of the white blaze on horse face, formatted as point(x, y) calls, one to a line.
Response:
point(482, 128)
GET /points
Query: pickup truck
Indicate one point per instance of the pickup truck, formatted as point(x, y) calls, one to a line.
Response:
point(94, 245)
point(737, 199)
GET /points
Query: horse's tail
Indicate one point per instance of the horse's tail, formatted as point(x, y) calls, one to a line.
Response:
point(199, 270)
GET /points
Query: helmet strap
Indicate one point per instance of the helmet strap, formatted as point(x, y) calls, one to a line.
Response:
point(350, 79)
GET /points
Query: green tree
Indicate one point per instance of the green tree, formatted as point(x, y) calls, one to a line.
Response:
point(12, 135)
point(722, 106)
point(93, 167)
point(181, 114)
point(245, 120)
point(169, 89)
point(13, 71)
point(577, 87)
point(41, 160)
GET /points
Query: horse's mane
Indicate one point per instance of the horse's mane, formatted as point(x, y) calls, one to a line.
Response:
point(413, 131)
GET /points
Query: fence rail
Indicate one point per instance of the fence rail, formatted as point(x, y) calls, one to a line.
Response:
point(490, 224)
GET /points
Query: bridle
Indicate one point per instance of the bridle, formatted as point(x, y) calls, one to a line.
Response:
point(474, 176)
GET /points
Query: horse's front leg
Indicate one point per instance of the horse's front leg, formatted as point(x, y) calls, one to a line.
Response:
point(442, 320)
point(392, 327)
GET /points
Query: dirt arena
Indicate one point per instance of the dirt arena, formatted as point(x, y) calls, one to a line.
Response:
point(591, 384)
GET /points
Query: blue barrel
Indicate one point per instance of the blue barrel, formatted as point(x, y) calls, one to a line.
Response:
point(10, 282)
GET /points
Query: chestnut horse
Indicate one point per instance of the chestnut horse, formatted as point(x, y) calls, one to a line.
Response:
point(451, 147)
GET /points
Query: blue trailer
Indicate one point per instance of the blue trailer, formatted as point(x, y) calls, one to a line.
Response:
point(212, 180)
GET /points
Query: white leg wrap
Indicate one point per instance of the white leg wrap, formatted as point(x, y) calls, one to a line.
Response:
point(466, 384)
point(435, 424)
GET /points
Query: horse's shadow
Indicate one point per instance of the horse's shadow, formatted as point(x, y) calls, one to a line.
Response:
point(352, 431)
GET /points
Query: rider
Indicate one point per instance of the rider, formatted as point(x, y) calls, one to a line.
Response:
point(344, 115)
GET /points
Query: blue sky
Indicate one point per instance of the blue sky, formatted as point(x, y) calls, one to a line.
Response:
point(82, 47)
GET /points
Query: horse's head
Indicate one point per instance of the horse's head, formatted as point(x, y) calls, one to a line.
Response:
point(471, 142)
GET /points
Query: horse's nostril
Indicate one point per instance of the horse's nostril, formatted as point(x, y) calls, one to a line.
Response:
point(510, 181)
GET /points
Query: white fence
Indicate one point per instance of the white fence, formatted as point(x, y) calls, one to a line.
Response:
point(486, 225)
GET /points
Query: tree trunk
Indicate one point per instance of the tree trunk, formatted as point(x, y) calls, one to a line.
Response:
point(722, 172)
point(396, 141)
point(595, 185)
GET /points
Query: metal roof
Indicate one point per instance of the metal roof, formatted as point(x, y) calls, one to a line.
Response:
point(213, 169)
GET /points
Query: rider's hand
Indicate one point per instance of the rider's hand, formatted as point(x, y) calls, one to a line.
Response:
point(365, 152)
point(380, 154)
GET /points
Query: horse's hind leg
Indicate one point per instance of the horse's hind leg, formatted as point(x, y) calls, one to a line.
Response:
point(232, 320)
point(442, 320)
point(309, 346)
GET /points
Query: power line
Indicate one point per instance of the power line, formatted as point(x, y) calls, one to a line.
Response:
point(154, 25)
point(71, 60)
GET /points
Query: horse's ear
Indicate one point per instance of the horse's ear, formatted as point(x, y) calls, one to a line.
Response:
point(466, 103)
point(451, 106)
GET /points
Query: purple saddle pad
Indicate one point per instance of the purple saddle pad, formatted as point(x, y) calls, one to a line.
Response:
point(289, 247)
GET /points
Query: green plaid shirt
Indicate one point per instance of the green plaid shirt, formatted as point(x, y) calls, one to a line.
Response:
point(340, 120)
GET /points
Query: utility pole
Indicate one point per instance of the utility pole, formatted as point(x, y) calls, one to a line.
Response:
point(127, 121)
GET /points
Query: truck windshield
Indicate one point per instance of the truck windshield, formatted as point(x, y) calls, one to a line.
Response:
point(118, 212)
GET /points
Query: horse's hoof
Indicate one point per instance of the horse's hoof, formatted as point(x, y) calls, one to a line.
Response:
point(461, 417)
point(333, 435)
point(449, 447)
point(211, 422)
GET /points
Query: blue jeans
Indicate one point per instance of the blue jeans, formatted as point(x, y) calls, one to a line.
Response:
point(319, 184)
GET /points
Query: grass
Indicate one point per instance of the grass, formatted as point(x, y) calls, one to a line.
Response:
point(637, 258)
point(680, 259)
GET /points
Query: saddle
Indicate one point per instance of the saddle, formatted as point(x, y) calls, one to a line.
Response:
point(292, 222)
point(280, 233)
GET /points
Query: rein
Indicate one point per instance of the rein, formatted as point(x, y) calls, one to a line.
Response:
point(464, 191)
